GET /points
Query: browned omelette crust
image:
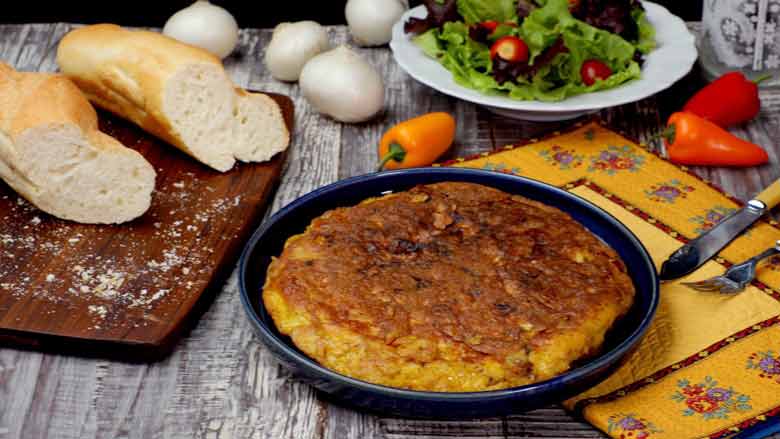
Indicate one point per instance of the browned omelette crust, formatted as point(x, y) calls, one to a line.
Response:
point(447, 287)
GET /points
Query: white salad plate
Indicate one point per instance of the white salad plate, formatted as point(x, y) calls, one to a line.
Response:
point(672, 59)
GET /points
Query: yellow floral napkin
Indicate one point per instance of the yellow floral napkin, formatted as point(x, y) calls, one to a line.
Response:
point(709, 366)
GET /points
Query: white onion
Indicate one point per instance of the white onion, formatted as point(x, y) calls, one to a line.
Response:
point(343, 85)
point(371, 21)
point(292, 44)
point(206, 26)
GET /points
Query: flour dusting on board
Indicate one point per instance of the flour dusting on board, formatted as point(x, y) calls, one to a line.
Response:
point(118, 277)
point(135, 285)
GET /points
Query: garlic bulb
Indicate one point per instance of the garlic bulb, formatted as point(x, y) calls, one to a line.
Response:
point(206, 26)
point(371, 21)
point(343, 85)
point(292, 44)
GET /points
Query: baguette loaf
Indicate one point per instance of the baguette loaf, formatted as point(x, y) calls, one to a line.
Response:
point(177, 92)
point(52, 153)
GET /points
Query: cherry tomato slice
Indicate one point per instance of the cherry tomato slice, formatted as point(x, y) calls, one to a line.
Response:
point(593, 70)
point(490, 25)
point(509, 48)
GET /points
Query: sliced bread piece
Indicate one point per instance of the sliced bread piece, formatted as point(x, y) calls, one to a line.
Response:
point(52, 153)
point(177, 92)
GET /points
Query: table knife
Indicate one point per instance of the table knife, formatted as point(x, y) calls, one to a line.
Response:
point(699, 250)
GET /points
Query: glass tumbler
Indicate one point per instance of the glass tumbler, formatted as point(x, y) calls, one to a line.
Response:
point(741, 35)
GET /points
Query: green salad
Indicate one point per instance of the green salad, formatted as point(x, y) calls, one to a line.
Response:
point(544, 50)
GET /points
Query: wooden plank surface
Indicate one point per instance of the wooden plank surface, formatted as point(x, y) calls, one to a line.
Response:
point(128, 290)
point(220, 382)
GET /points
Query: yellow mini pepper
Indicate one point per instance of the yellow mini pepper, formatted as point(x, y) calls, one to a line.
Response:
point(416, 142)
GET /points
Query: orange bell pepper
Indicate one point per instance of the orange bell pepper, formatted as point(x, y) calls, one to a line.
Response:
point(693, 140)
point(416, 142)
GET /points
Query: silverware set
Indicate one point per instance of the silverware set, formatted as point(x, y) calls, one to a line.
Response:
point(692, 255)
point(737, 277)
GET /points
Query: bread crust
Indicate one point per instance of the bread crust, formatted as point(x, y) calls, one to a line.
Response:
point(31, 99)
point(128, 73)
point(125, 71)
point(40, 104)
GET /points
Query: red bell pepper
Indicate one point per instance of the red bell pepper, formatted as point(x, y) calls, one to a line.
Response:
point(729, 100)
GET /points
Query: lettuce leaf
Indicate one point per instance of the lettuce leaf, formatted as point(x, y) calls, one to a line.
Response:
point(587, 42)
point(463, 56)
point(558, 74)
point(439, 12)
point(429, 43)
point(646, 41)
point(542, 27)
point(536, 90)
point(477, 11)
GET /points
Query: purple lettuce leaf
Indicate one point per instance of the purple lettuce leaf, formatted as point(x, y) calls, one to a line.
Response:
point(439, 12)
point(609, 15)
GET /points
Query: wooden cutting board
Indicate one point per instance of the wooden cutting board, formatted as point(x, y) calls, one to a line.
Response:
point(129, 290)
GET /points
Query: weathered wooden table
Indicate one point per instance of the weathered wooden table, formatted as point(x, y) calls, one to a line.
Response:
point(220, 382)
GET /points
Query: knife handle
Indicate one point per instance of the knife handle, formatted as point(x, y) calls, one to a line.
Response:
point(771, 195)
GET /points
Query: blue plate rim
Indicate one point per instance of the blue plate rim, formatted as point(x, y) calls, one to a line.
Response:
point(603, 360)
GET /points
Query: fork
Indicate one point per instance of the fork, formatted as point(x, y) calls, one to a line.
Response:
point(736, 278)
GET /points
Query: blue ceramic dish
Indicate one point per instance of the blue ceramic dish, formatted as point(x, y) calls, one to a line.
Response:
point(269, 240)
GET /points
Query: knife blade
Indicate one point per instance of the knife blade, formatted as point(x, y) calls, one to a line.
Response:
point(692, 255)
